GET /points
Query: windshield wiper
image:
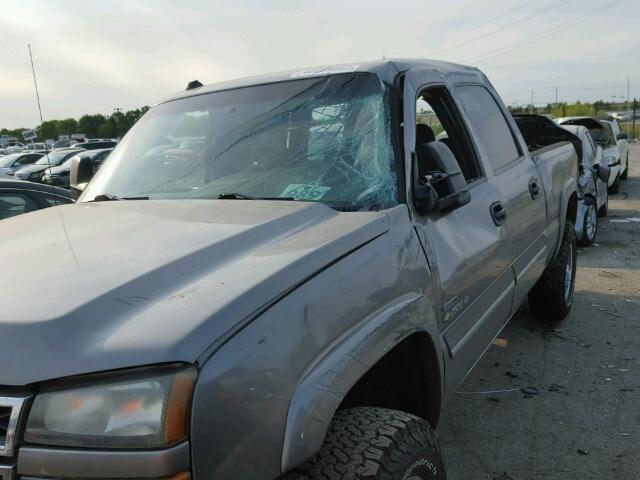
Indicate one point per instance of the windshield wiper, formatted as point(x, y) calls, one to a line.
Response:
point(242, 196)
point(108, 197)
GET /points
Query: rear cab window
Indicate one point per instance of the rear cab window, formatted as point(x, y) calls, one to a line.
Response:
point(490, 125)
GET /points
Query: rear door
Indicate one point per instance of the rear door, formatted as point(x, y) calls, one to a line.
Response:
point(467, 250)
point(518, 180)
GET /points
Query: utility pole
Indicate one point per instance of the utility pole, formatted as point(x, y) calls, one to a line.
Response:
point(556, 95)
point(628, 104)
point(532, 107)
point(635, 107)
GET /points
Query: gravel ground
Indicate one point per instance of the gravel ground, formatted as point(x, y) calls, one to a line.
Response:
point(584, 421)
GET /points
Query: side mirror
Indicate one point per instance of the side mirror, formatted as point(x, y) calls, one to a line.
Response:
point(622, 136)
point(438, 182)
point(81, 173)
point(603, 172)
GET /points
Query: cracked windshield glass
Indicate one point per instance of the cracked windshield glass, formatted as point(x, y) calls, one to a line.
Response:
point(324, 140)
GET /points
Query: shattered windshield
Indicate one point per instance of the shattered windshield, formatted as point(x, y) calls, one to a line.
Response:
point(322, 139)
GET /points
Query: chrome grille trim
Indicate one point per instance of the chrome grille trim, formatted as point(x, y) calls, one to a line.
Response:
point(6, 446)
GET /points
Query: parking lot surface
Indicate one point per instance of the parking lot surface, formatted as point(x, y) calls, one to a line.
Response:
point(578, 416)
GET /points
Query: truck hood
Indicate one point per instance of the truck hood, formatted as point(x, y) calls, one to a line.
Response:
point(100, 286)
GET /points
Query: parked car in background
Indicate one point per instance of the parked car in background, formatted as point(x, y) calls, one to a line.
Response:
point(593, 194)
point(15, 148)
point(97, 144)
point(34, 172)
point(603, 134)
point(36, 146)
point(622, 139)
point(14, 161)
point(540, 132)
point(59, 175)
point(18, 197)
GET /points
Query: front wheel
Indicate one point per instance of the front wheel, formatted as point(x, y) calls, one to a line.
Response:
point(376, 443)
point(589, 222)
point(551, 298)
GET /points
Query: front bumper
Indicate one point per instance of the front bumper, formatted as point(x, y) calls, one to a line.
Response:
point(63, 463)
point(56, 181)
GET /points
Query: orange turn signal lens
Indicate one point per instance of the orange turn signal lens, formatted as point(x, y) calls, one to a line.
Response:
point(176, 418)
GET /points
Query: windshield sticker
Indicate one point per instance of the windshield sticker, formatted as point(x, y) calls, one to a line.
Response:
point(302, 191)
point(313, 72)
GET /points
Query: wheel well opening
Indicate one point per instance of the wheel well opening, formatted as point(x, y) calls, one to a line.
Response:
point(407, 378)
point(572, 208)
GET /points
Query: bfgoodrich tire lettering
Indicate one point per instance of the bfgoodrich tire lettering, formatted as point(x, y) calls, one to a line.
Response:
point(376, 443)
point(551, 298)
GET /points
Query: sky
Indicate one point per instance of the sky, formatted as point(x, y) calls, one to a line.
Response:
point(94, 56)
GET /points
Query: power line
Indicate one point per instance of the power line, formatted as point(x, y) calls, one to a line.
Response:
point(573, 21)
point(484, 24)
point(497, 30)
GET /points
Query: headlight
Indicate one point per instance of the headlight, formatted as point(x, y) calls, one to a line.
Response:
point(141, 411)
point(611, 160)
point(22, 175)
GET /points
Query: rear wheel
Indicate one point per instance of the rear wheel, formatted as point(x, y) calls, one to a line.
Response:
point(376, 443)
point(589, 222)
point(615, 187)
point(551, 298)
point(625, 174)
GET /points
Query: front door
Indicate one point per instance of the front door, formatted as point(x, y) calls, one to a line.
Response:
point(467, 249)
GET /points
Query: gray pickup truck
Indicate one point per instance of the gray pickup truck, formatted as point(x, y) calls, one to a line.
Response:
point(285, 276)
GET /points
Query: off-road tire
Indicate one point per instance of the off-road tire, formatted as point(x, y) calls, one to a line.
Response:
point(377, 444)
point(588, 239)
point(615, 188)
point(625, 175)
point(549, 300)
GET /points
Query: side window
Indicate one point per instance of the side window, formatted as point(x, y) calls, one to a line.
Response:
point(616, 127)
point(13, 203)
point(50, 201)
point(437, 120)
point(490, 125)
point(27, 159)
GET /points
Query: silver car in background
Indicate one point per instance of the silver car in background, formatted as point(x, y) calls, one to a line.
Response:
point(604, 135)
point(622, 141)
point(593, 197)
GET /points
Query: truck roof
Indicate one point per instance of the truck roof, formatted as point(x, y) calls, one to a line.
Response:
point(386, 69)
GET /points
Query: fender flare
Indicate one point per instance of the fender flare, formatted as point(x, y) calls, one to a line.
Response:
point(327, 381)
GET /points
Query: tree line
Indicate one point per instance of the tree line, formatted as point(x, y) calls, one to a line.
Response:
point(94, 126)
point(596, 109)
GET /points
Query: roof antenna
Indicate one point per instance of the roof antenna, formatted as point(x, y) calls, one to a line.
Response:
point(193, 84)
point(46, 150)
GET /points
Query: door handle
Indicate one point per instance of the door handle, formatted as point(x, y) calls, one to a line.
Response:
point(498, 213)
point(534, 188)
